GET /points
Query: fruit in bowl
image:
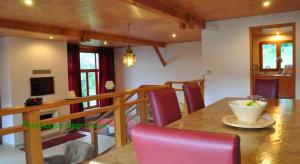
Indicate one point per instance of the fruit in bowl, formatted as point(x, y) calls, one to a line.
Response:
point(247, 110)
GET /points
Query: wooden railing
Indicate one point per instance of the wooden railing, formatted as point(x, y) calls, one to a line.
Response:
point(122, 101)
point(200, 83)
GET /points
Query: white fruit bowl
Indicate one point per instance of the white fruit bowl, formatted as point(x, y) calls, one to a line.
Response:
point(247, 113)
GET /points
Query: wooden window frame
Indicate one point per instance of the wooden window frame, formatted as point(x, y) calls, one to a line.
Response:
point(278, 53)
point(97, 75)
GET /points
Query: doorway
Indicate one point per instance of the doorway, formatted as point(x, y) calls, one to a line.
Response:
point(272, 56)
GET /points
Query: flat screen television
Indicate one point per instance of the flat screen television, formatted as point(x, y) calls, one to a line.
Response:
point(42, 86)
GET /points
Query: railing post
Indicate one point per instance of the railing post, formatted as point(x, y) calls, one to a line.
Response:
point(32, 138)
point(120, 122)
point(185, 109)
point(94, 137)
point(142, 111)
point(201, 83)
point(169, 84)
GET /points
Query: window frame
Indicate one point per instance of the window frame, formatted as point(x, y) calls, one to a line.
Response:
point(97, 76)
point(278, 53)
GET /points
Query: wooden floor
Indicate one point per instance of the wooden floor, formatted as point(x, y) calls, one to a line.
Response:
point(12, 155)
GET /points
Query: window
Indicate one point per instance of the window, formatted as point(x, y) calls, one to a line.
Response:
point(286, 51)
point(89, 73)
point(269, 56)
point(275, 55)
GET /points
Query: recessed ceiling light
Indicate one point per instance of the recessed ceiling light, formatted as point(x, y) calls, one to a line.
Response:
point(105, 42)
point(51, 37)
point(28, 2)
point(266, 3)
point(174, 35)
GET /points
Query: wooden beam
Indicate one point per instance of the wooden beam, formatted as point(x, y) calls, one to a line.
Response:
point(39, 28)
point(120, 38)
point(80, 35)
point(162, 8)
point(160, 56)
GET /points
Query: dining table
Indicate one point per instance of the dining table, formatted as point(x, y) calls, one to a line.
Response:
point(277, 144)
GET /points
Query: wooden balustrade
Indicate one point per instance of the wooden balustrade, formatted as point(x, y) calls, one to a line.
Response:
point(122, 102)
point(200, 83)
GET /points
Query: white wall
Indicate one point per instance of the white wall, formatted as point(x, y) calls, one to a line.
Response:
point(226, 54)
point(5, 87)
point(184, 62)
point(22, 56)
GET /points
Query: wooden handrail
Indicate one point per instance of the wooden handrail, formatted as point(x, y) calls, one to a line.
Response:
point(128, 97)
point(140, 100)
point(11, 130)
point(200, 82)
point(31, 115)
point(79, 114)
point(182, 82)
point(109, 112)
point(55, 104)
point(58, 103)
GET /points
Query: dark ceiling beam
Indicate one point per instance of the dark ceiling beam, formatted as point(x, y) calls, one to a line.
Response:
point(160, 56)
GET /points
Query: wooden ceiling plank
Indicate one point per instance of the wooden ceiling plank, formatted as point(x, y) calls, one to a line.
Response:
point(160, 56)
point(74, 33)
point(179, 14)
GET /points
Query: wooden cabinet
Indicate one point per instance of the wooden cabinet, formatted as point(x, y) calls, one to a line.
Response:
point(286, 84)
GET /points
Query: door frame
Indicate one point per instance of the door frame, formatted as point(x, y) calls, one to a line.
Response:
point(293, 25)
point(0, 124)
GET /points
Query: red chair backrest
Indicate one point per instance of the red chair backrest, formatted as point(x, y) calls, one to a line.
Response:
point(160, 145)
point(193, 97)
point(267, 88)
point(165, 107)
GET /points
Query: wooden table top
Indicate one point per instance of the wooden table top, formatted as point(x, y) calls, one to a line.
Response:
point(279, 144)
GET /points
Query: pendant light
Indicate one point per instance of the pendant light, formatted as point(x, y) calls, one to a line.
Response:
point(129, 59)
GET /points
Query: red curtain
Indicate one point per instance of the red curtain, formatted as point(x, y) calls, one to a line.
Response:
point(107, 71)
point(74, 77)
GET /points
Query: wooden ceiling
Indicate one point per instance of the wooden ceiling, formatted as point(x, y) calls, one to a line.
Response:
point(152, 20)
point(211, 10)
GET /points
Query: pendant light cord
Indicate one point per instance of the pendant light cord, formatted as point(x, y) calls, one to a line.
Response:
point(128, 33)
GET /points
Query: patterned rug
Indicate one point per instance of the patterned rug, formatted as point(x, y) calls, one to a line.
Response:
point(59, 140)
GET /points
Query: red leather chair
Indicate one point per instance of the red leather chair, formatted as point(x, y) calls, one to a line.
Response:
point(159, 145)
point(165, 107)
point(267, 88)
point(193, 97)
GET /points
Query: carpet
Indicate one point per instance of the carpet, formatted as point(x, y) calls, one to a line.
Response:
point(59, 140)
